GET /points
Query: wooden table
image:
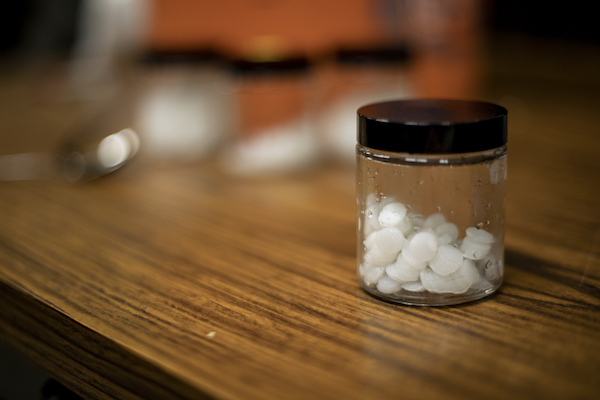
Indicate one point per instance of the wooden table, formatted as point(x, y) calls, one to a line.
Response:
point(179, 282)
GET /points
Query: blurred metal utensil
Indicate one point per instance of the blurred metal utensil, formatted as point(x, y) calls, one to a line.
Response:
point(79, 159)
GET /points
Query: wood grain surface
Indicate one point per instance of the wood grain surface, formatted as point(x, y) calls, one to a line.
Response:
point(179, 282)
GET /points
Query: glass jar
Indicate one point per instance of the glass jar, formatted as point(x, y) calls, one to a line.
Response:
point(273, 132)
point(431, 181)
point(181, 113)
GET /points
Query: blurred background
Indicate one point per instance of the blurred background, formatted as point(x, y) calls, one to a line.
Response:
point(269, 86)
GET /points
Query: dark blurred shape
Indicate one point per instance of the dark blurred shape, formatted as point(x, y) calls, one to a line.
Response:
point(12, 24)
point(383, 54)
point(20, 379)
point(248, 67)
point(574, 20)
point(192, 56)
point(54, 390)
point(39, 27)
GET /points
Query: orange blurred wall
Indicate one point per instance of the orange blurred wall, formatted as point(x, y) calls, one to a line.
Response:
point(445, 36)
point(309, 26)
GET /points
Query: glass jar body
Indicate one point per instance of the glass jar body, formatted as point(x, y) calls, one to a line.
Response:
point(430, 227)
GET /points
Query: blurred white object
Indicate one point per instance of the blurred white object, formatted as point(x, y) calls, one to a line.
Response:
point(276, 150)
point(182, 116)
point(117, 148)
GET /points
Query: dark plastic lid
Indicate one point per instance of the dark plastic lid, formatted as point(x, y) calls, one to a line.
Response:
point(429, 126)
point(287, 65)
point(192, 56)
point(392, 54)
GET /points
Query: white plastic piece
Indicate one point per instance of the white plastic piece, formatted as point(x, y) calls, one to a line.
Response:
point(469, 269)
point(402, 271)
point(373, 208)
point(479, 235)
point(477, 244)
point(447, 233)
point(386, 241)
point(388, 285)
point(474, 250)
point(417, 220)
point(370, 240)
point(371, 200)
point(376, 258)
point(447, 260)
point(434, 220)
point(457, 282)
point(423, 246)
point(392, 214)
point(372, 218)
point(406, 226)
point(371, 275)
point(416, 286)
point(407, 257)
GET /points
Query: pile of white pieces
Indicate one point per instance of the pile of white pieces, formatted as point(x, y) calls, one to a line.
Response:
point(417, 254)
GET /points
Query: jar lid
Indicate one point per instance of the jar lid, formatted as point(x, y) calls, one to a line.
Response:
point(428, 126)
point(358, 56)
point(183, 56)
point(280, 66)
